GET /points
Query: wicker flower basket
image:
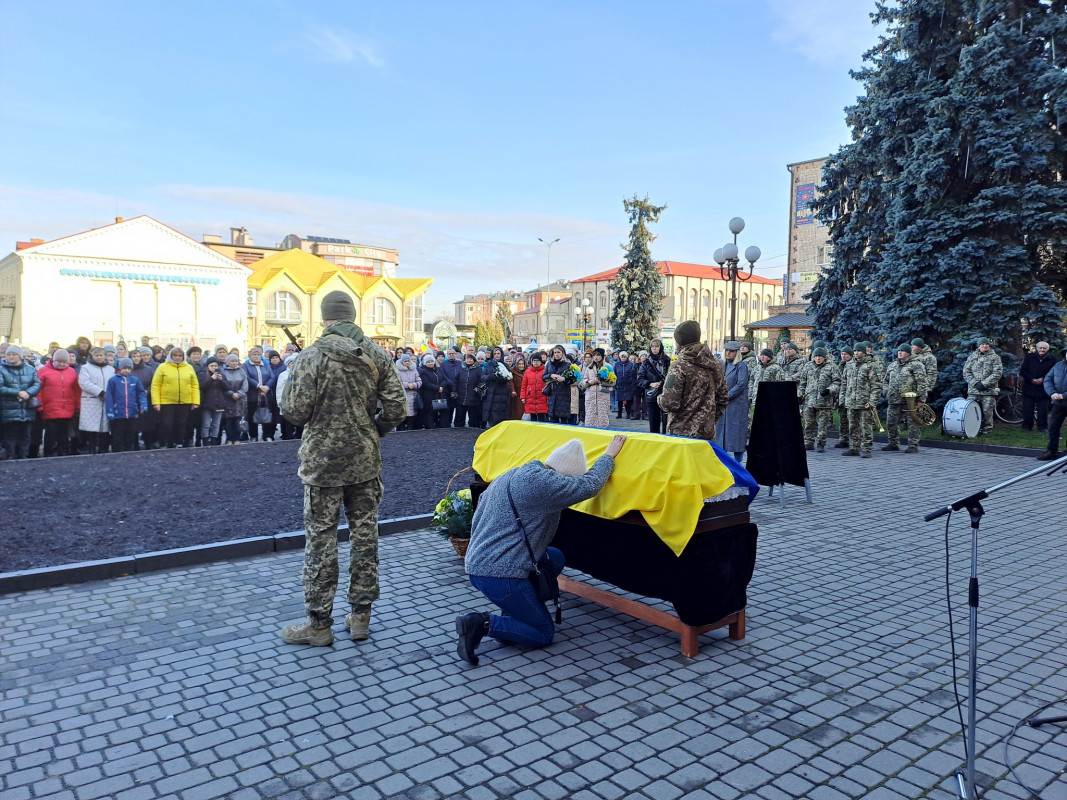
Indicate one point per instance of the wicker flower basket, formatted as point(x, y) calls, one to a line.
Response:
point(460, 546)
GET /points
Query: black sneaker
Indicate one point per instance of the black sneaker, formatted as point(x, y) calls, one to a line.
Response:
point(471, 628)
point(1048, 455)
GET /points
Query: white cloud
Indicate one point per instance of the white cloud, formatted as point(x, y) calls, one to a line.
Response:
point(833, 34)
point(343, 46)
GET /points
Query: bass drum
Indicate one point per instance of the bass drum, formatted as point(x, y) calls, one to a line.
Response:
point(961, 417)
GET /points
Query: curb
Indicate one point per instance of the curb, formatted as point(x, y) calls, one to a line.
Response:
point(84, 571)
point(948, 444)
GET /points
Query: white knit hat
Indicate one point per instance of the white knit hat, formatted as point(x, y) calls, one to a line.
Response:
point(568, 459)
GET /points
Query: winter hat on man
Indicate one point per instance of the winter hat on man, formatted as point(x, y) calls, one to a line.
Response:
point(792, 347)
point(819, 351)
point(904, 348)
point(766, 351)
point(338, 306)
point(125, 363)
point(568, 459)
point(687, 333)
point(982, 340)
point(918, 343)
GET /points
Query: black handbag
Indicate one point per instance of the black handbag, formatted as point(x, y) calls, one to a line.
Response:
point(439, 404)
point(544, 583)
point(262, 416)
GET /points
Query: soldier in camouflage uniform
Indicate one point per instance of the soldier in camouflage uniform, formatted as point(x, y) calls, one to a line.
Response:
point(842, 412)
point(815, 345)
point(876, 357)
point(783, 347)
point(863, 386)
point(694, 393)
point(793, 363)
point(334, 389)
point(765, 370)
point(748, 358)
point(906, 374)
point(982, 372)
point(922, 353)
point(817, 387)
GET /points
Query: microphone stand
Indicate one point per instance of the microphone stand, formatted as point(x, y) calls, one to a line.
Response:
point(973, 503)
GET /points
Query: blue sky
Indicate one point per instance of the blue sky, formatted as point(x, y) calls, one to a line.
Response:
point(457, 132)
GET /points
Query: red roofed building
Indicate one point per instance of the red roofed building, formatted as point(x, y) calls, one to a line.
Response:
point(689, 291)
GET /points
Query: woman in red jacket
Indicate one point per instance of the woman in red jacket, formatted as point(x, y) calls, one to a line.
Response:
point(533, 402)
point(60, 398)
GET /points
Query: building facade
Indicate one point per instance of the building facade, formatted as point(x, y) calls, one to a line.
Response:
point(287, 289)
point(475, 308)
point(688, 292)
point(366, 260)
point(810, 251)
point(121, 282)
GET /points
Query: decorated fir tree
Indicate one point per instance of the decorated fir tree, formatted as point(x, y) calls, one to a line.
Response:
point(637, 287)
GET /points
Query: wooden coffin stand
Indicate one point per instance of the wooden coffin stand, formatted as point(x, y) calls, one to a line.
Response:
point(707, 584)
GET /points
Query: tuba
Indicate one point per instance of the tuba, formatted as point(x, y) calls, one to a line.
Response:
point(923, 415)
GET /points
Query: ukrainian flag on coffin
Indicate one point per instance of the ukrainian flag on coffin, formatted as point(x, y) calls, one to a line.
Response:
point(665, 478)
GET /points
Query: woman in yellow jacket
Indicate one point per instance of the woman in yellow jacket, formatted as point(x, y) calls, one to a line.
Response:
point(175, 392)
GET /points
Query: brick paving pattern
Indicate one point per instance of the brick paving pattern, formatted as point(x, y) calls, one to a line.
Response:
point(176, 685)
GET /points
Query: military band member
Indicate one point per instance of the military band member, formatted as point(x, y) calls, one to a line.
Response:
point(765, 370)
point(983, 372)
point(864, 385)
point(817, 388)
point(782, 354)
point(842, 412)
point(921, 352)
point(906, 374)
point(793, 362)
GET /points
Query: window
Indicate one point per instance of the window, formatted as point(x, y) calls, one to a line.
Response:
point(693, 304)
point(718, 301)
point(679, 304)
point(283, 307)
point(824, 255)
point(413, 315)
point(755, 305)
point(382, 312)
point(603, 300)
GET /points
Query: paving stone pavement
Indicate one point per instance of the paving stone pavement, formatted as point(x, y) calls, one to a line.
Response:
point(176, 684)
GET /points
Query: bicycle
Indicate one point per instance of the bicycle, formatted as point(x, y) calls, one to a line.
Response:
point(1009, 407)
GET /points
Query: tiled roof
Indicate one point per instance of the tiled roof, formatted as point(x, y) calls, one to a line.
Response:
point(679, 268)
point(785, 321)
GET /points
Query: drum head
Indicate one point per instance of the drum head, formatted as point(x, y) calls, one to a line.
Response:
point(972, 419)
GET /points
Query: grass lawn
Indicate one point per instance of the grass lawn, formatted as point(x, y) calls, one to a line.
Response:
point(1007, 435)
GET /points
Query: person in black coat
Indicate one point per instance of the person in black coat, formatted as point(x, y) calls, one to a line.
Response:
point(468, 401)
point(1032, 373)
point(497, 389)
point(651, 375)
point(558, 377)
point(433, 388)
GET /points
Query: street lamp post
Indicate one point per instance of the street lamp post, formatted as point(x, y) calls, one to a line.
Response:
point(583, 315)
point(548, 286)
point(727, 259)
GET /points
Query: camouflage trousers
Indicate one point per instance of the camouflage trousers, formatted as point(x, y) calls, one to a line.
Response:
point(988, 403)
point(897, 413)
point(322, 509)
point(817, 418)
point(842, 415)
point(861, 429)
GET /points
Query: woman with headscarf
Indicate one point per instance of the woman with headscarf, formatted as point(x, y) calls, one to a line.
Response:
point(82, 346)
point(433, 388)
point(19, 384)
point(92, 421)
point(175, 392)
point(650, 377)
point(409, 376)
point(518, 371)
point(235, 388)
point(559, 377)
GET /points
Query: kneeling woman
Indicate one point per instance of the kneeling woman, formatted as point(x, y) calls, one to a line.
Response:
point(498, 559)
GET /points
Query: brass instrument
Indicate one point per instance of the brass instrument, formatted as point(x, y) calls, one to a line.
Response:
point(877, 419)
point(923, 415)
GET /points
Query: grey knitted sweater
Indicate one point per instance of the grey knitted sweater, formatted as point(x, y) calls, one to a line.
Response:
point(497, 549)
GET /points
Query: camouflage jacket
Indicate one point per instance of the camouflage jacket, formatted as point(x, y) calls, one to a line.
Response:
point(694, 394)
point(759, 373)
point(863, 384)
point(983, 372)
point(909, 376)
point(813, 379)
point(929, 361)
point(333, 390)
point(792, 367)
point(842, 368)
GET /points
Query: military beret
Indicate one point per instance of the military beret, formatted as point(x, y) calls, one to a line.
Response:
point(770, 353)
point(982, 340)
point(904, 348)
point(819, 351)
point(918, 343)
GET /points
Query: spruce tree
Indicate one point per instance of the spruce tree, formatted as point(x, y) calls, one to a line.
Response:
point(638, 287)
point(482, 336)
point(946, 211)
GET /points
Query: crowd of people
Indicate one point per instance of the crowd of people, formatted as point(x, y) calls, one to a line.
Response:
point(86, 399)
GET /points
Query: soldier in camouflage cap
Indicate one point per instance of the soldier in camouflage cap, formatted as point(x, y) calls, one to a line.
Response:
point(842, 412)
point(863, 385)
point(906, 374)
point(694, 393)
point(793, 363)
point(982, 372)
point(334, 389)
point(817, 387)
point(765, 370)
point(921, 352)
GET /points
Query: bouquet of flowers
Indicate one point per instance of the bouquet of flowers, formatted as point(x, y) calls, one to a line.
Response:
point(453, 515)
point(577, 372)
point(502, 372)
point(606, 375)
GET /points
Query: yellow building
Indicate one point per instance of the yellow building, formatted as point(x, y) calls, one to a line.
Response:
point(288, 287)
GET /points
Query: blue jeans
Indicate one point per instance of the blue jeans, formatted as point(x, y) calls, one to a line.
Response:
point(526, 621)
